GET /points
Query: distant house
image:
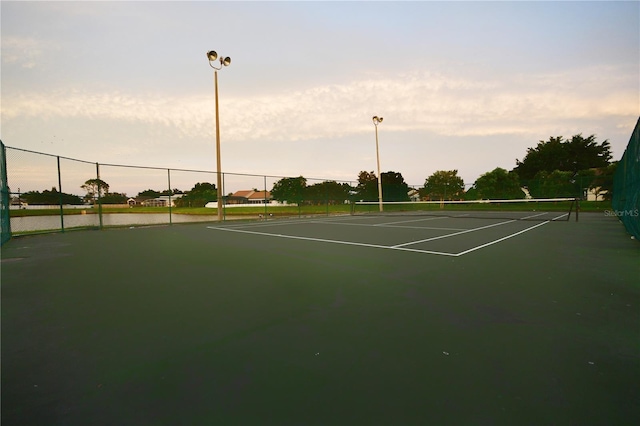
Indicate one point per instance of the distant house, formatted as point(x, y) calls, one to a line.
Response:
point(414, 195)
point(162, 201)
point(249, 197)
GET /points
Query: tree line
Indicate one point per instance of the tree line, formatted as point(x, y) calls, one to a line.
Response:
point(557, 167)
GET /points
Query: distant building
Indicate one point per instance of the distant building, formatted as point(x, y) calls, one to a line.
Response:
point(162, 201)
point(414, 195)
point(249, 197)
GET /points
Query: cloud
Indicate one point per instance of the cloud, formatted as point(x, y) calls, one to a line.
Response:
point(23, 51)
point(423, 101)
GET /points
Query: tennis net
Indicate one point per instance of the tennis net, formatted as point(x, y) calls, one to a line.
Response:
point(548, 209)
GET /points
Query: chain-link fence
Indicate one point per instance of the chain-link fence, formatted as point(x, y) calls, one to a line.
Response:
point(49, 193)
point(626, 196)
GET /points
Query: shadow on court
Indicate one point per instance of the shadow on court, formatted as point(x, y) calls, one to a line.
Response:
point(187, 325)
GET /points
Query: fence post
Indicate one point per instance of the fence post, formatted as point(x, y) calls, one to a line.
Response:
point(60, 192)
point(170, 192)
point(326, 196)
point(265, 196)
point(5, 198)
point(99, 198)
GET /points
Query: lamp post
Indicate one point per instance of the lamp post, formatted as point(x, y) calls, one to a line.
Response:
point(224, 61)
point(377, 120)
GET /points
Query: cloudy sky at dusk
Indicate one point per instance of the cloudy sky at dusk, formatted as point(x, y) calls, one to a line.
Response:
point(461, 85)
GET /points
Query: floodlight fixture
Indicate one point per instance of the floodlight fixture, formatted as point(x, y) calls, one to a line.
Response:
point(377, 120)
point(224, 61)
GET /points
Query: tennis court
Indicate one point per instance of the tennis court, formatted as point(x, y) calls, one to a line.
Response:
point(347, 320)
point(439, 235)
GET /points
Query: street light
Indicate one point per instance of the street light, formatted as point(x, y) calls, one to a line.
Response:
point(224, 61)
point(377, 120)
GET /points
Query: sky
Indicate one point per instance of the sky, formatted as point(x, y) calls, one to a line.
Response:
point(461, 85)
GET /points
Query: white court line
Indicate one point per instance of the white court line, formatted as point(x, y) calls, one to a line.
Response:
point(291, 219)
point(407, 221)
point(272, 222)
point(349, 243)
point(452, 235)
point(384, 225)
point(534, 215)
point(501, 239)
point(400, 247)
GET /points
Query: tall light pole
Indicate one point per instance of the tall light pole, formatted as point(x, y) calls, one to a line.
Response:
point(377, 120)
point(224, 61)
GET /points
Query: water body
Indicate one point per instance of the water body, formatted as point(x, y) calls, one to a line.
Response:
point(53, 223)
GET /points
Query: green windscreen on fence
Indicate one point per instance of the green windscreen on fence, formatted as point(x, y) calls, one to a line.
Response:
point(5, 224)
point(626, 185)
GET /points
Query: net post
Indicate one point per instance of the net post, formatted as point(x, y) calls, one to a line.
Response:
point(577, 208)
point(224, 210)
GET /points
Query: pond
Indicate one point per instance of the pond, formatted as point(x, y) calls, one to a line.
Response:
point(26, 224)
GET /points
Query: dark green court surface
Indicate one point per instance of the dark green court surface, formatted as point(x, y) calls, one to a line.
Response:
point(343, 321)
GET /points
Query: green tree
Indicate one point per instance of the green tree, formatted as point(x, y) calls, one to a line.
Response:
point(114, 198)
point(394, 188)
point(572, 155)
point(95, 188)
point(290, 190)
point(553, 185)
point(149, 193)
point(198, 196)
point(597, 180)
point(47, 197)
point(367, 189)
point(330, 192)
point(443, 185)
point(497, 184)
point(602, 182)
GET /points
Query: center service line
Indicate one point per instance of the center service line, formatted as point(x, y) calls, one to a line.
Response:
point(452, 235)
